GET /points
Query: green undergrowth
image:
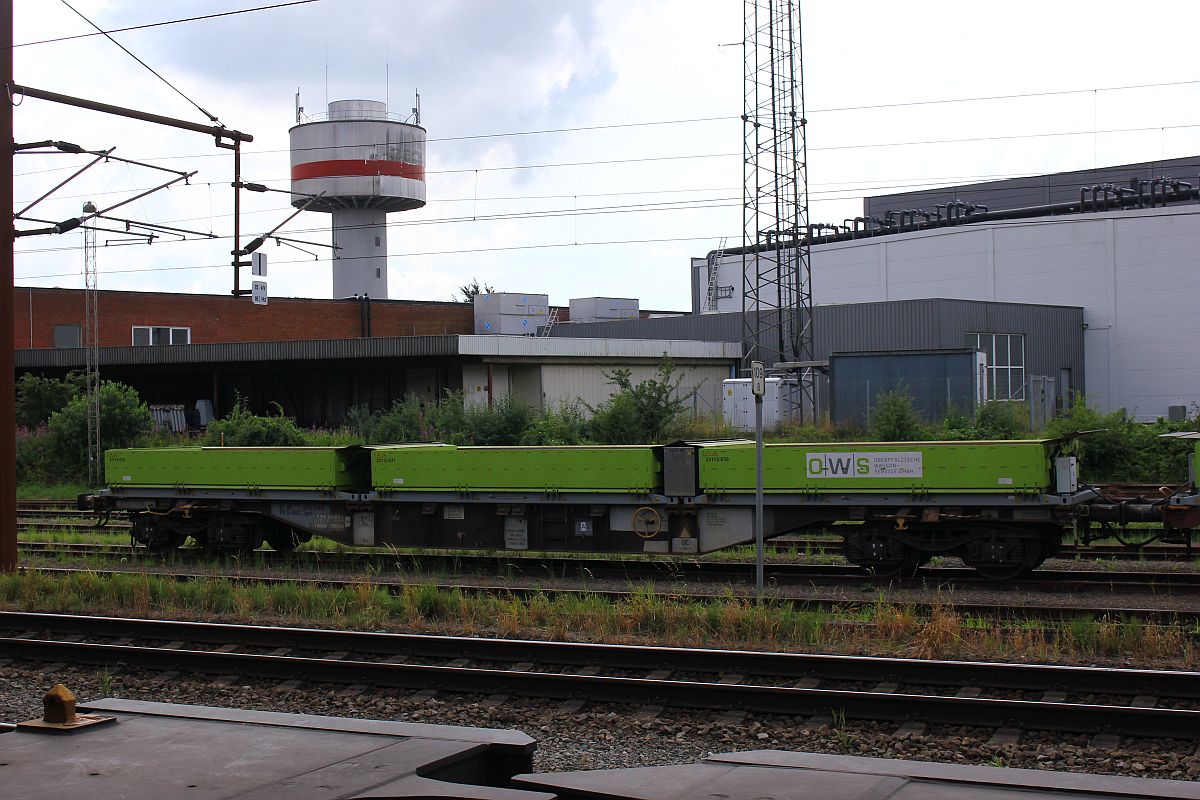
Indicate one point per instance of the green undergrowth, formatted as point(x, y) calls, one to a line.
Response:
point(52, 491)
point(643, 616)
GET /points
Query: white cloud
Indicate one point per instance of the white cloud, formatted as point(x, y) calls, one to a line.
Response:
point(490, 67)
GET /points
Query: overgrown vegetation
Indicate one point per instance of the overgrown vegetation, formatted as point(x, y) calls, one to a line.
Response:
point(735, 622)
point(646, 412)
point(1112, 447)
point(39, 397)
point(51, 450)
point(56, 451)
point(241, 428)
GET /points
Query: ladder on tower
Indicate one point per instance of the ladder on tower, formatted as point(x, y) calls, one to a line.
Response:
point(551, 321)
point(714, 268)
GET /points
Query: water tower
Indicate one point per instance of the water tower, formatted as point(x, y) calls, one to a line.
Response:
point(368, 164)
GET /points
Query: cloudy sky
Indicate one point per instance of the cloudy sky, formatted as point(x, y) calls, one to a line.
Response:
point(642, 166)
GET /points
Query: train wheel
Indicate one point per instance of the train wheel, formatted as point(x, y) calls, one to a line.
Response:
point(1004, 560)
point(229, 540)
point(283, 539)
point(156, 534)
point(882, 555)
point(166, 542)
point(905, 568)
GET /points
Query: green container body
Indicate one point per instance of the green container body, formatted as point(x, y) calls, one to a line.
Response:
point(443, 467)
point(311, 468)
point(854, 467)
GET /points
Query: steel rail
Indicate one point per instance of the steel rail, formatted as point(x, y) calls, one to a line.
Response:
point(676, 569)
point(789, 700)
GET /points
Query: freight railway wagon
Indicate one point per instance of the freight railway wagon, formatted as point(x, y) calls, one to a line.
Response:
point(1002, 507)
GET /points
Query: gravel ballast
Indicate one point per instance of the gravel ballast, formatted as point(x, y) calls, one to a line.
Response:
point(606, 736)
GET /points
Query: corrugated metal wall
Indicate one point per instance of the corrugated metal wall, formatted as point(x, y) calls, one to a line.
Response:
point(1032, 190)
point(936, 381)
point(1053, 334)
point(569, 383)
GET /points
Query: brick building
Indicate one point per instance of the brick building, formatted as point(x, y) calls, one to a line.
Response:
point(314, 359)
point(45, 318)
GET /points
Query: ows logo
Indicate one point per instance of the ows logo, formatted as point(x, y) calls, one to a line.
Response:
point(863, 465)
point(837, 465)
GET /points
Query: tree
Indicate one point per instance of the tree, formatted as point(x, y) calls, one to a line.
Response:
point(242, 428)
point(468, 290)
point(38, 397)
point(895, 419)
point(643, 413)
point(123, 419)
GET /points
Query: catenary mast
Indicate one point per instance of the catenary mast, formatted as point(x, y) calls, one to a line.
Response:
point(777, 279)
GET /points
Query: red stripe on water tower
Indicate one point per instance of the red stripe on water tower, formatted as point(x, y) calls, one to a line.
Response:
point(356, 167)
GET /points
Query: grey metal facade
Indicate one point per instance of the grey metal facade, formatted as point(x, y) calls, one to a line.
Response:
point(936, 380)
point(1033, 190)
point(1053, 334)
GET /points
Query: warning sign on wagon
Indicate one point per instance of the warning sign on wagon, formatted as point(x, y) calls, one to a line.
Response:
point(863, 465)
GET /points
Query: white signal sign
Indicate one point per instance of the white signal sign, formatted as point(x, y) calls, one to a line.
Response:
point(258, 265)
point(758, 378)
point(258, 292)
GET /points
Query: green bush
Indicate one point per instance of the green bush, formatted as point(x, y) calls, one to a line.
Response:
point(402, 422)
point(502, 424)
point(1113, 447)
point(894, 418)
point(564, 426)
point(242, 428)
point(1002, 420)
point(647, 412)
point(38, 397)
point(994, 420)
point(58, 452)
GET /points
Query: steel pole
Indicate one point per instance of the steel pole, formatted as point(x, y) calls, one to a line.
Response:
point(8, 388)
point(758, 492)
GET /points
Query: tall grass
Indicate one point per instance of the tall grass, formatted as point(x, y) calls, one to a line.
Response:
point(645, 615)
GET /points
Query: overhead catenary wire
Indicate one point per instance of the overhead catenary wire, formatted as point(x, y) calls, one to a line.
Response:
point(625, 208)
point(695, 120)
point(165, 22)
point(693, 156)
point(542, 246)
point(707, 237)
point(211, 117)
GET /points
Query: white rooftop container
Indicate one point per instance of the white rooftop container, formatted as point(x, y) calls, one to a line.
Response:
point(598, 309)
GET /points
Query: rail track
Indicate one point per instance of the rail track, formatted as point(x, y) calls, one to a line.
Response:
point(657, 569)
point(848, 608)
point(1152, 703)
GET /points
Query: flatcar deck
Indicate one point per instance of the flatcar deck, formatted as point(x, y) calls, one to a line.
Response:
point(797, 776)
point(161, 751)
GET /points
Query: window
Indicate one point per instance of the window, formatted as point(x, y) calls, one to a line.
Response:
point(1005, 363)
point(160, 334)
point(68, 336)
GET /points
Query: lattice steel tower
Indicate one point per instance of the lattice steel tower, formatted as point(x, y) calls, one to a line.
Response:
point(777, 280)
point(91, 346)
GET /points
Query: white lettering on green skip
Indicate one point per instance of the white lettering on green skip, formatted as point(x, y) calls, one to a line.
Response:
point(863, 465)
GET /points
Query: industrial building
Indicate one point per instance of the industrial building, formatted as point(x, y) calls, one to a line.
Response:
point(317, 358)
point(1046, 344)
point(1120, 243)
point(1047, 290)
